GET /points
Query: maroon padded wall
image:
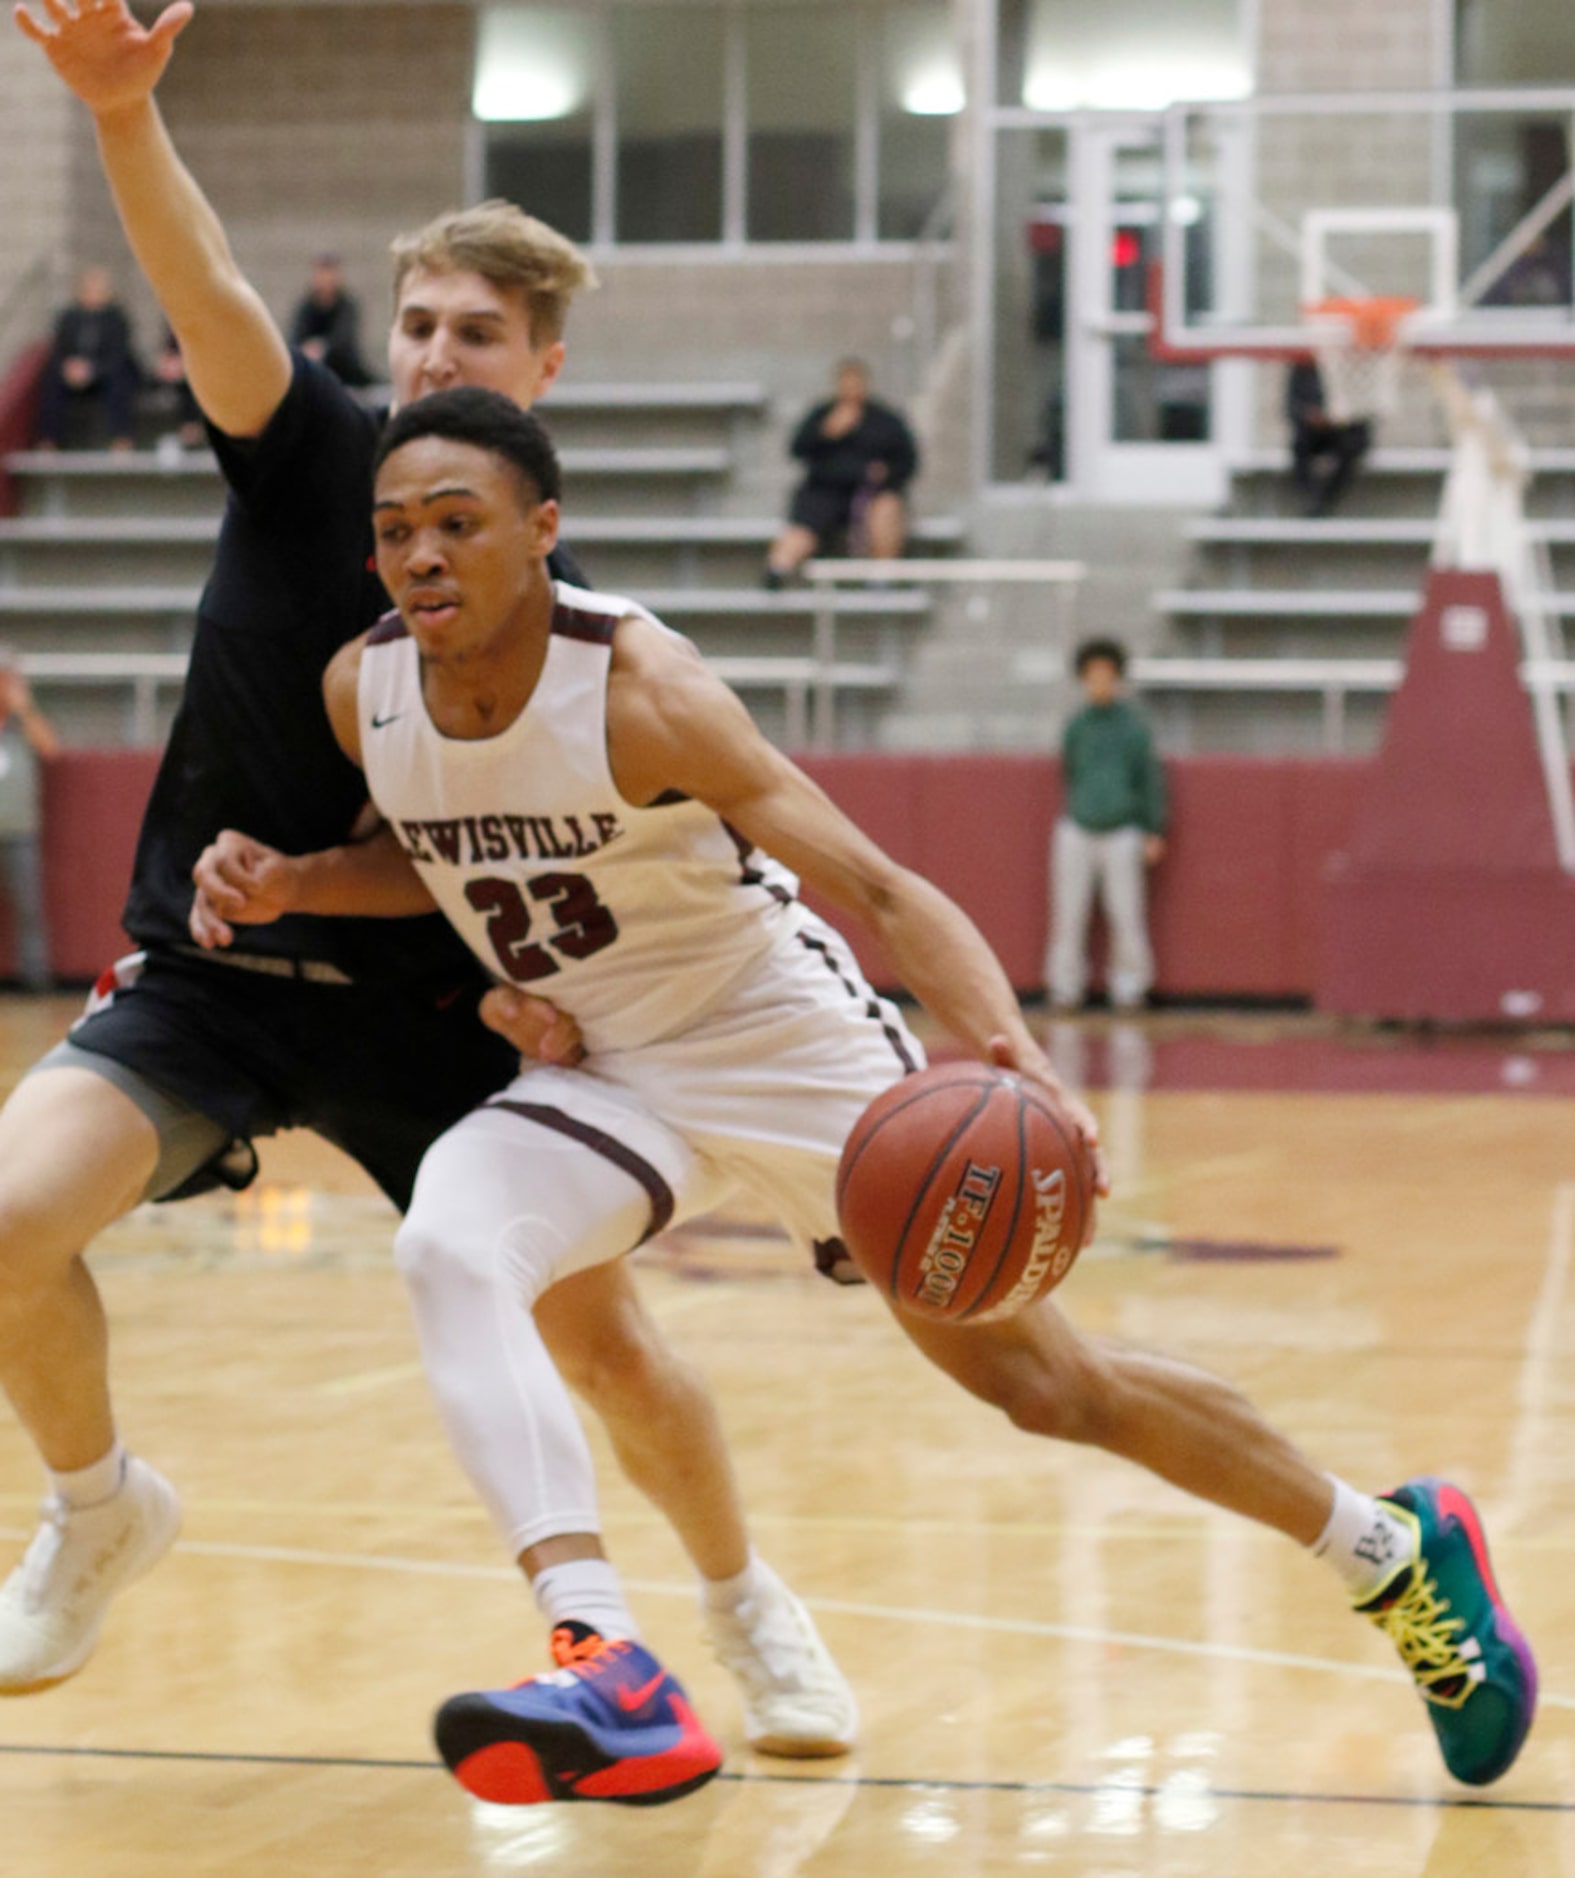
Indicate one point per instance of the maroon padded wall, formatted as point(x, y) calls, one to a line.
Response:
point(1235, 902)
point(1235, 909)
point(93, 803)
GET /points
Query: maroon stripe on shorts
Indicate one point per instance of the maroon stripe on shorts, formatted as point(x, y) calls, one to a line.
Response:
point(657, 1190)
point(871, 1004)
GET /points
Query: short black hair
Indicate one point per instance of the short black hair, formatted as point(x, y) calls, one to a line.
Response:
point(486, 419)
point(1092, 650)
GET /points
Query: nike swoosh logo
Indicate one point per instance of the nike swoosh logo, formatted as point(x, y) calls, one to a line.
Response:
point(380, 723)
point(631, 1699)
point(1453, 1504)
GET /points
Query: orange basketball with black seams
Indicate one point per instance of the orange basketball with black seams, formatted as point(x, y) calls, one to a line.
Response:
point(962, 1195)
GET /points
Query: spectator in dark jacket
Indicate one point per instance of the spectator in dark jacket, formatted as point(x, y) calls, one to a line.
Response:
point(859, 457)
point(327, 324)
point(1325, 453)
point(91, 363)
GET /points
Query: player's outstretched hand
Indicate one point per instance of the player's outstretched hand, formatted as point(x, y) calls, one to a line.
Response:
point(239, 882)
point(101, 52)
point(538, 1030)
point(1004, 1054)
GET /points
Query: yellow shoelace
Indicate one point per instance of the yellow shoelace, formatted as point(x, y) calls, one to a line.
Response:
point(1418, 1624)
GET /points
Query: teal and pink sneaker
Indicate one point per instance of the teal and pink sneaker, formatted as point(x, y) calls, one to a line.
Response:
point(1442, 1611)
point(608, 1724)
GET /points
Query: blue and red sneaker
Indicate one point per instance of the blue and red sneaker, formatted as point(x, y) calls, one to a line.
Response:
point(1443, 1613)
point(608, 1724)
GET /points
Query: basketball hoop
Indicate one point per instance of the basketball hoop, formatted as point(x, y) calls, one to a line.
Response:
point(1360, 349)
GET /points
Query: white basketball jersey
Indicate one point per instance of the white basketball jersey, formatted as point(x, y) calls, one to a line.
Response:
point(633, 920)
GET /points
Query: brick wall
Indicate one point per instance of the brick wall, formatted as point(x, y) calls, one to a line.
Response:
point(780, 323)
point(1347, 45)
point(323, 127)
point(40, 120)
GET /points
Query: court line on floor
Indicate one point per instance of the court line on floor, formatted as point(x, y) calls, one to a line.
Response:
point(1076, 1789)
point(889, 1613)
point(1183, 1530)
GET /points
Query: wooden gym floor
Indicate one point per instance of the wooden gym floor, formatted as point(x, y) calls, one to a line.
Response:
point(1063, 1665)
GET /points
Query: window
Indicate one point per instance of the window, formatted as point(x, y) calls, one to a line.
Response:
point(1506, 164)
point(921, 92)
point(537, 73)
point(1121, 55)
point(1525, 42)
point(803, 65)
point(669, 65)
point(1029, 354)
point(710, 121)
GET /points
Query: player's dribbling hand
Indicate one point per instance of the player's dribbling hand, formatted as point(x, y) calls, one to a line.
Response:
point(1004, 1054)
point(101, 52)
point(239, 882)
point(536, 1028)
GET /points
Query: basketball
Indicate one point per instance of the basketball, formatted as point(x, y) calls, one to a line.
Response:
point(962, 1195)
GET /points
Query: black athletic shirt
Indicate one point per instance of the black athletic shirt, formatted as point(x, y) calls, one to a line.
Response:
point(251, 747)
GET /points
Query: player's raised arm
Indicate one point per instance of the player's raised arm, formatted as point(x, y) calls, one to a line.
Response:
point(671, 724)
point(236, 361)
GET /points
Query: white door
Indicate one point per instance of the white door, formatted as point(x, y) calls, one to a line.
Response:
point(1138, 429)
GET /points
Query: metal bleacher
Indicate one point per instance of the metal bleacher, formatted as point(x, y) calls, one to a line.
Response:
point(1289, 632)
point(101, 567)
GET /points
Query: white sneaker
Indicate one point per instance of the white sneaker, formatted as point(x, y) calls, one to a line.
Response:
point(52, 1606)
point(797, 1702)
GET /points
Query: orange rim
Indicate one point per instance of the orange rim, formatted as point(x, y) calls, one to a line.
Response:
point(1374, 321)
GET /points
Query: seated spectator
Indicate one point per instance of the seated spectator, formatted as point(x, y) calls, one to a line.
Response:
point(327, 324)
point(26, 739)
point(1538, 276)
point(178, 397)
point(92, 369)
point(859, 457)
point(1325, 454)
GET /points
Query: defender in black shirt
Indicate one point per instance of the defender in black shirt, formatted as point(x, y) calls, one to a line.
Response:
point(298, 1031)
point(364, 1031)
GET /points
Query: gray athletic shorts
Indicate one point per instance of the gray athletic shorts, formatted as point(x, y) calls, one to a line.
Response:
point(188, 1139)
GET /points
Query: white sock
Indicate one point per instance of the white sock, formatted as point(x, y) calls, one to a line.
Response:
point(91, 1486)
point(726, 1594)
point(587, 1591)
point(1365, 1541)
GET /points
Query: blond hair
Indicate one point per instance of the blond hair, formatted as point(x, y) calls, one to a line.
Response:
point(504, 245)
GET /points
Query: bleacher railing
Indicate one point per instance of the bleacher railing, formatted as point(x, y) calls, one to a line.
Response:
point(1060, 578)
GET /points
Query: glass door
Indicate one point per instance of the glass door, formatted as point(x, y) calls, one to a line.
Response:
point(1140, 429)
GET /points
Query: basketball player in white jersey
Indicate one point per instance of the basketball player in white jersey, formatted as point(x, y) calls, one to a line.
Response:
point(593, 811)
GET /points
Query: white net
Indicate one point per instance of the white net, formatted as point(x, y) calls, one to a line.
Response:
point(1361, 352)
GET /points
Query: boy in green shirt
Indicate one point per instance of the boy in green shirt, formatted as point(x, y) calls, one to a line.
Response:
point(1111, 829)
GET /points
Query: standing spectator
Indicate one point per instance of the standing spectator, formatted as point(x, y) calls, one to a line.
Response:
point(327, 324)
point(859, 457)
point(26, 738)
point(90, 363)
point(1325, 454)
point(1111, 830)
